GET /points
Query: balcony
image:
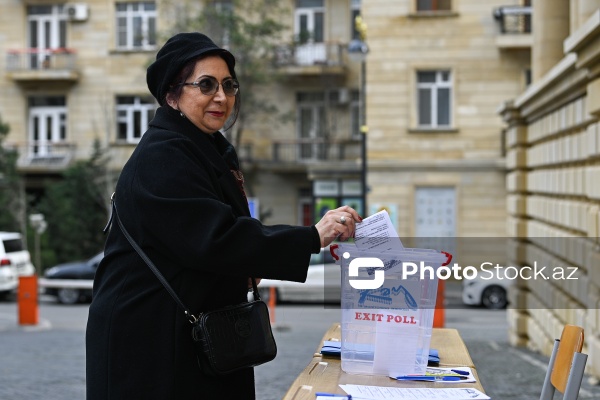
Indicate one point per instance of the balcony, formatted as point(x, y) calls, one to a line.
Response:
point(45, 157)
point(304, 154)
point(311, 58)
point(515, 27)
point(35, 65)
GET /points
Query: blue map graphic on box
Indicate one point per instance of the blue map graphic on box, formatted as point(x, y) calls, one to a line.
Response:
point(388, 264)
point(385, 296)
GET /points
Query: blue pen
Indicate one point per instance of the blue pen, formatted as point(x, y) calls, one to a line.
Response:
point(343, 396)
point(429, 378)
point(458, 371)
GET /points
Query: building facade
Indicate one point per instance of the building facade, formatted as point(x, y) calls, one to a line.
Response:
point(74, 73)
point(437, 72)
point(553, 181)
point(439, 75)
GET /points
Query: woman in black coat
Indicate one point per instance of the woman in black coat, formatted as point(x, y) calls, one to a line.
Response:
point(181, 198)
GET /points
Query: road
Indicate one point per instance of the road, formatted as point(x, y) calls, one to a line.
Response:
point(48, 360)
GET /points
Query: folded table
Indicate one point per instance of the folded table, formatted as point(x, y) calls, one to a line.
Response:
point(324, 373)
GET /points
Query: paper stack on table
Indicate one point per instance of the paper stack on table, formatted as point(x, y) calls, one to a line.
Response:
point(333, 348)
point(362, 392)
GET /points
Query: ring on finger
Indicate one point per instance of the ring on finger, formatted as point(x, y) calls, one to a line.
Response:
point(342, 220)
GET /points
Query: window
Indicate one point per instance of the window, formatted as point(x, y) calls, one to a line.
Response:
point(13, 245)
point(136, 25)
point(47, 31)
point(434, 5)
point(47, 125)
point(311, 125)
point(354, 12)
point(133, 115)
point(434, 99)
point(527, 76)
point(309, 31)
point(220, 19)
point(223, 6)
point(309, 27)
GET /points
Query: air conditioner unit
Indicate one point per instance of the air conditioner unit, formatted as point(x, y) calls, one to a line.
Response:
point(77, 11)
point(344, 96)
point(339, 97)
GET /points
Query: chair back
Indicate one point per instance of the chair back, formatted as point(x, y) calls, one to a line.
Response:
point(571, 342)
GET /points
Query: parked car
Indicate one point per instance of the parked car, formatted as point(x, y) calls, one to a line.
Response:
point(323, 283)
point(73, 292)
point(491, 293)
point(15, 261)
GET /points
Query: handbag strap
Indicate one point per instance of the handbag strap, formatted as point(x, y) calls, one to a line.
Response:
point(155, 270)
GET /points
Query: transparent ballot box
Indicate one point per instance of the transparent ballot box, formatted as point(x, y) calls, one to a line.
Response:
point(387, 302)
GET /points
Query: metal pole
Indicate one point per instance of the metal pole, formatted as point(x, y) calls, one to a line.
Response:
point(363, 131)
point(39, 225)
point(38, 257)
point(358, 47)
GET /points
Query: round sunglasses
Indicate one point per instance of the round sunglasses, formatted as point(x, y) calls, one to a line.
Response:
point(209, 86)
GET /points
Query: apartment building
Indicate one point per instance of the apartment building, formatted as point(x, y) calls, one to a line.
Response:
point(553, 181)
point(300, 169)
point(73, 73)
point(437, 72)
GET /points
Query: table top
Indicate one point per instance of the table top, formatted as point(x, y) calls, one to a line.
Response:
point(324, 373)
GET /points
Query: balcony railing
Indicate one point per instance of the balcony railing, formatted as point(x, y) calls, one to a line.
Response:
point(50, 156)
point(315, 150)
point(309, 54)
point(514, 19)
point(40, 59)
point(29, 65)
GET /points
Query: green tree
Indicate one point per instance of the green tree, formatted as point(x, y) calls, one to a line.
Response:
point(12, 208)
point(252, 32)
point(75, 209)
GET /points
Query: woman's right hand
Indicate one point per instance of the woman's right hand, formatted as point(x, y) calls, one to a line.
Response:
point(337, 224)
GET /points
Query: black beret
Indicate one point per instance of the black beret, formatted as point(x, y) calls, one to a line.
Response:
point(178, 50)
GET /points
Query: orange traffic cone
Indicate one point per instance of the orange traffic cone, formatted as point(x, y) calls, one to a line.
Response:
point(439, 314)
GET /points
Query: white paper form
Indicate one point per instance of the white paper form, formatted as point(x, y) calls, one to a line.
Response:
point(376, 233)
point(395, 347)
point(362, 392)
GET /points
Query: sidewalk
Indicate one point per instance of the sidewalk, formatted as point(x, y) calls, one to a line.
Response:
point(48, 360)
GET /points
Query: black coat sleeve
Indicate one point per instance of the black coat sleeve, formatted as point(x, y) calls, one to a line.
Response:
point(176, 195)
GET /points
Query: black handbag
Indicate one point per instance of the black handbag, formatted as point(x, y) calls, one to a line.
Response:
point(227, 339)
point(234, 337)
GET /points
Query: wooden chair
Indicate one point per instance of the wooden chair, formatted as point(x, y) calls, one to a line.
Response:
point(566, 366)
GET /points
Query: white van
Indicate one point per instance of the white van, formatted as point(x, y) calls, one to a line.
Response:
point(15, 261)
